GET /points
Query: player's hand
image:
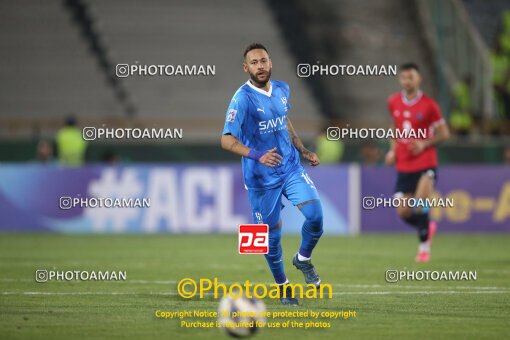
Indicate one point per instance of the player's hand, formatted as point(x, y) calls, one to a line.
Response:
point(271, 158)
point(389, 159)
point(416, 147)
point(312, 158)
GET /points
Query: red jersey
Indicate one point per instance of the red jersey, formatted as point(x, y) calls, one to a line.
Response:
point(419, 114)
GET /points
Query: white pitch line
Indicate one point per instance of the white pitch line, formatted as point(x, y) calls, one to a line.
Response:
point(495, 271)
point(159, 282)
point(340, 285)
point(69, 293)
point(389, 285)
point(428, 292)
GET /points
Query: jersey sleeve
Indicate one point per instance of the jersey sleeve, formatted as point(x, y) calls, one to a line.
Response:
point(235, 116)
point(436, 118)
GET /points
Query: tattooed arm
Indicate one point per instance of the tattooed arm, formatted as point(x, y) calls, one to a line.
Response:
point(232, 144)
point(270, 157)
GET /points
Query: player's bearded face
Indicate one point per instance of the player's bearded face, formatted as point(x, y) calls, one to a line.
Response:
point(410, 80)
point(260, 77)
point(258, 65)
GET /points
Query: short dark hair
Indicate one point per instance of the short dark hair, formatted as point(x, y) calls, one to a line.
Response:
point(70, 120)
point(254, 46)
point(409, 66)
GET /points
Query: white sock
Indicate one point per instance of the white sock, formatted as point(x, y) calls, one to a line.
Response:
point(281, 284)
point(302, 258)
point(424, 247)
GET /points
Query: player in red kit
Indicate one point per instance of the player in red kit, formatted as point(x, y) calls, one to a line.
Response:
point(415, 158)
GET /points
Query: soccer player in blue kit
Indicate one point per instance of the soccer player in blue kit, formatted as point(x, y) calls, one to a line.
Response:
point(257, 128)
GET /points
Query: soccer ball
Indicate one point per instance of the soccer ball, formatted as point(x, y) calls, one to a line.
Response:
point(238, 317)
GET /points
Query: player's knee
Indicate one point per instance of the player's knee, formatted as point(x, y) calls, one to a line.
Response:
point(313, 214)
point(403, 213)
point(317, 219)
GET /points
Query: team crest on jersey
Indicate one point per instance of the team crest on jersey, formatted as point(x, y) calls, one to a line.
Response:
point(258, 217)
point(419, 115)
point(231, 115)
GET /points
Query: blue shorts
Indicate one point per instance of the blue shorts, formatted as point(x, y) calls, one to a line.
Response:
point(266, 205)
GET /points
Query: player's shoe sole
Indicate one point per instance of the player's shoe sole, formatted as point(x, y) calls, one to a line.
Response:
point(308, 270)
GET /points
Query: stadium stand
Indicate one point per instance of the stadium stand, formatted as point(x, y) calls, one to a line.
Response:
point(482, 14)
point(46, 68)
point(128, 28)
point(350, 32)
point(37, 32)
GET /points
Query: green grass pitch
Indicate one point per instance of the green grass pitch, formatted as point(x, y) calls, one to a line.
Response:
point(355, 266)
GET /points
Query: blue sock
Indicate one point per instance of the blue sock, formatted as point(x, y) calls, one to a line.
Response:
point(312, 228)
point(274, 255)
point(421, 217)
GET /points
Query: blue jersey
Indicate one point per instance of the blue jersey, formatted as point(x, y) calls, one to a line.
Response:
point(259, 120)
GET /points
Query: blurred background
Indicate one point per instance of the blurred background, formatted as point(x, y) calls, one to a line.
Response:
point(58, 76)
